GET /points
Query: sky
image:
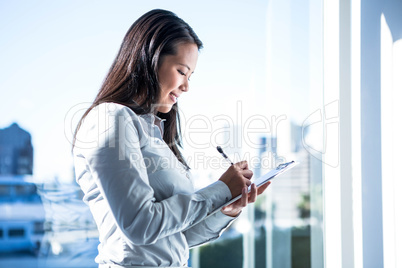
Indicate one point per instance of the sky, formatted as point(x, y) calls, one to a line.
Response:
point(55, 54)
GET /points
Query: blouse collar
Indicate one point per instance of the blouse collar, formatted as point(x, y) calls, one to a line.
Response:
point(153, 119)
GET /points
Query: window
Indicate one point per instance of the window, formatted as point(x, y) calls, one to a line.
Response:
point(16, 232)
point(4, 190)
point(38, 227)
point(276, 121)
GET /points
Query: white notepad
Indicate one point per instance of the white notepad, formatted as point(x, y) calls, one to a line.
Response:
point(280, 169)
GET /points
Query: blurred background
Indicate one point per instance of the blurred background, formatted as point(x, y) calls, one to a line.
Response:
point(318, 82)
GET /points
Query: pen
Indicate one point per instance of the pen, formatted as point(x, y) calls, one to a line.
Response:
point(223, 154)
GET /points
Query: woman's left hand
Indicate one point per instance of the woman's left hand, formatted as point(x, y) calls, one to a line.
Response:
point(234, 209)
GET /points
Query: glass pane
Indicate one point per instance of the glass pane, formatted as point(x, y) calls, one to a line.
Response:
point(274, 120)
point(293, 206)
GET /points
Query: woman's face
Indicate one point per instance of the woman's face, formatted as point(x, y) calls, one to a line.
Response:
point(174, 74)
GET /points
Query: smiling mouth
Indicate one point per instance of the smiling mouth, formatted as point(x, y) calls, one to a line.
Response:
point(173, 97)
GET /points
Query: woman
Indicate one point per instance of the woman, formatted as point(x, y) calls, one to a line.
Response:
point(135, 180)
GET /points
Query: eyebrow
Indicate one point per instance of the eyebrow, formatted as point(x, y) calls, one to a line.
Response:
point(185, 65)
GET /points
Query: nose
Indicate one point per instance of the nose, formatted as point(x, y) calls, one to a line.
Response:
point(185, 85)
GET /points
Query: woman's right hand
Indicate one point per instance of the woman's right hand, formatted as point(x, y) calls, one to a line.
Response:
point(237, 177)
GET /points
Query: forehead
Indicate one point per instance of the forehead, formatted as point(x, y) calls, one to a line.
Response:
point(186, 54)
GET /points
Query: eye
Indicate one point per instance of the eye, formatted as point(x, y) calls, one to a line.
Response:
point(182, 73)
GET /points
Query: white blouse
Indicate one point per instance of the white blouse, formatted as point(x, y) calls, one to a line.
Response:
point(141, 197)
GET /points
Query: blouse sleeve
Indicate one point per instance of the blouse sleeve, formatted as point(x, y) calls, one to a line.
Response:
point(123, 182)
point(208, 230)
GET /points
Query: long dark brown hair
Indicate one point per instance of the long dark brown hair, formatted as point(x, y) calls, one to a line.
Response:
point(133, 77)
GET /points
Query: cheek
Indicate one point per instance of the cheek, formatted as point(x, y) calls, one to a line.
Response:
point(164, 87)
point(165, 90)
point(165, 93)
point(170, 83)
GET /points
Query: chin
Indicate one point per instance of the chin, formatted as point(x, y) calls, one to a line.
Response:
point(165, 109)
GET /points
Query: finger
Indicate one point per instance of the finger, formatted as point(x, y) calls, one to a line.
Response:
point(244, 197)
point(226, 208)
point(263, 187)
point(242, 164)
point(247, 173)
point(253, 194)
